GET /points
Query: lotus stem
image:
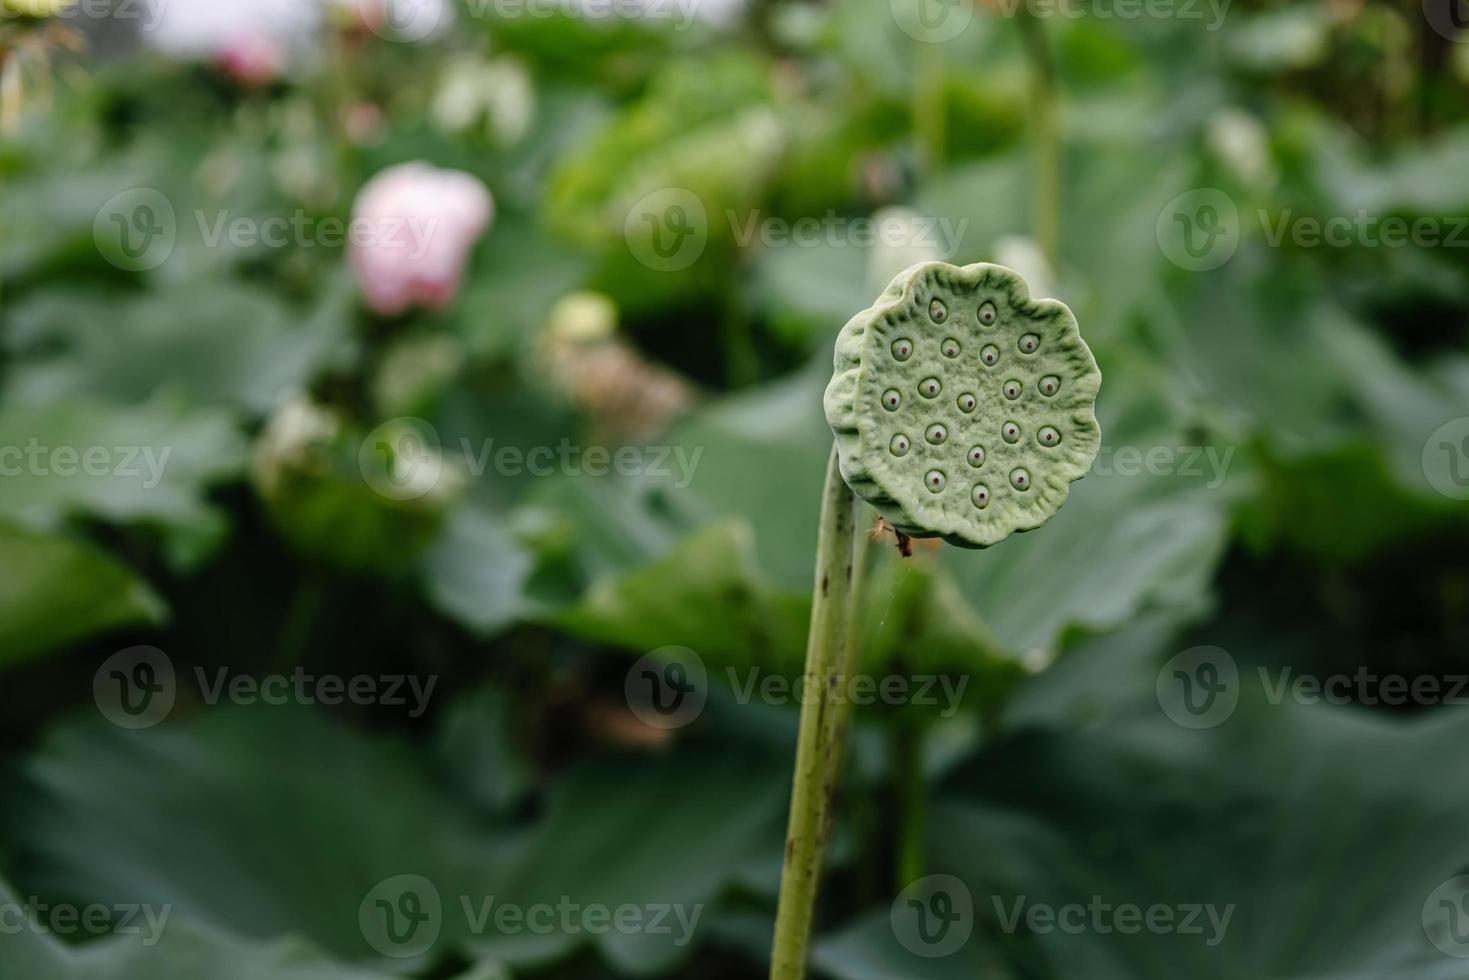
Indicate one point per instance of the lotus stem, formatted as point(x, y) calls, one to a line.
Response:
point(817, 755)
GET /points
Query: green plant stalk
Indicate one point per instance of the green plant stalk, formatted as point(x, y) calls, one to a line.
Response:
point(9, 92)
point(841, 718)
point(930, 119)
point(907, 762)
point(1045, 113)
point(816, 755)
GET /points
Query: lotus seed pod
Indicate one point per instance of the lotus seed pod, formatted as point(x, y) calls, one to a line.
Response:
point(998, 454)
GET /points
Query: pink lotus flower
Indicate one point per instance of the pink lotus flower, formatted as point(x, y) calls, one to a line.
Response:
point(413, 227)
point(251, 59)
point(252, 41)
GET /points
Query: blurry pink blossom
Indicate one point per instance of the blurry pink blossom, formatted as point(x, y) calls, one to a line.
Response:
point(252, 41)
point(251, 59)
point(364, 123)
point(413, 227)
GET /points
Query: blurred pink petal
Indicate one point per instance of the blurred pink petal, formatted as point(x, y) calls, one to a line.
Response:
point(413, 227)
point(251, 59)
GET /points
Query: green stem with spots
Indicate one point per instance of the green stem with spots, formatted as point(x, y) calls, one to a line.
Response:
point(817, 755)
point(852, 646)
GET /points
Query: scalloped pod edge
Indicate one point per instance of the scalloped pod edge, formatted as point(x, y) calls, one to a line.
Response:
point(963, 408)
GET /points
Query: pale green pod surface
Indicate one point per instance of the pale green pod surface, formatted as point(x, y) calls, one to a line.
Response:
point(962, 408)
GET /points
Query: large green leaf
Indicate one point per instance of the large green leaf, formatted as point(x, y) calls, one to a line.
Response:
point(476, 571)
point(1324, 856)
point(1327, 851)
point(267, 822)
point(260, 822)
point(706, 594)
point(55, 590)
point(175, 951)
point(1120, 546)
point(652, 834)
point(221, 343)
point(147, 464)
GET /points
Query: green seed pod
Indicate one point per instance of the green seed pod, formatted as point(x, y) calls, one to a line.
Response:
point(999, 453)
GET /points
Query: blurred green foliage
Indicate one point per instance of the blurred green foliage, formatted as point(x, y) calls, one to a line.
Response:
point(1269, 484)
